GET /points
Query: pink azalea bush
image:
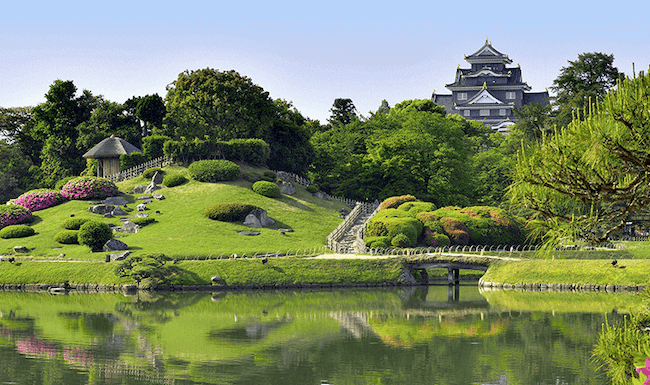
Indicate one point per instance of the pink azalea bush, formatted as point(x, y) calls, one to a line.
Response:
point(13, 215)
point(89, 187)
point(40, 199)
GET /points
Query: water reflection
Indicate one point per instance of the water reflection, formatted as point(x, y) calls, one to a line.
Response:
point(419, 335)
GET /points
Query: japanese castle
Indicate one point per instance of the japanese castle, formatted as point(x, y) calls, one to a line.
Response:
point(489, 91)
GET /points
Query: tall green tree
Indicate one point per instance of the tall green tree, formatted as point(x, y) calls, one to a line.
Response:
point(109, 118)
point(151, 110)
point(585, 80)
point(586, 180)
point(342, 112)
point(219, 104)
point(533, 121)
point(15, 176)
point(288, 139)
point(55, 125)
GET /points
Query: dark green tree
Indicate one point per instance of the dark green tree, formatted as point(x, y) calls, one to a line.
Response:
point(533, 121)
point(583, 81)
point(109, 118)
point(288, 139)
point(343, 112)
point(151, 110)
point(221, 105)
point(55, 125)
point(15, 177)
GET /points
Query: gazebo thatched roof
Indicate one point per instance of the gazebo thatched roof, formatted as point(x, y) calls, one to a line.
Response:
point(111, 147)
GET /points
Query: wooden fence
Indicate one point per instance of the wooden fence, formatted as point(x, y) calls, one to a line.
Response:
point(139, 169)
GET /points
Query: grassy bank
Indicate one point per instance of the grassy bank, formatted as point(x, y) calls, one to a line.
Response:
point(567, 271)
point(240, 272)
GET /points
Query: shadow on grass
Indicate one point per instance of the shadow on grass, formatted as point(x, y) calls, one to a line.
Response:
point(293, 202)
point(186, 277)
point(278, 269)
point(35, 220)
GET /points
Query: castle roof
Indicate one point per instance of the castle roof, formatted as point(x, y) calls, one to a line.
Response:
point(488, 54)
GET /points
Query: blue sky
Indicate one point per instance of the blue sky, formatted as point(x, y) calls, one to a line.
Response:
point(306, 53)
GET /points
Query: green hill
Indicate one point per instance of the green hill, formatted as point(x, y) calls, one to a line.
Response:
point(182, 230)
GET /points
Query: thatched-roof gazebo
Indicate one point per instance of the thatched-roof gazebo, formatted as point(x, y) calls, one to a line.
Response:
point(107, 152)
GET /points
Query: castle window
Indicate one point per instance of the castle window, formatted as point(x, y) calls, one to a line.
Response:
point(462, 96)
point(511, 95)
point(502, 112)
point(484, 112)
point(466, 113)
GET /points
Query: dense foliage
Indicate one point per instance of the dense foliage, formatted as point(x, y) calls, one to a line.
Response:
point(94, 234)
point(89, 187)
point(143, 221)
point(67, 237)
point(267, 189)
point(150, 268)
point(16, 231)
point(14, 214)
point(228, 212)
point(74, 223)
point(150, 172)
point(173, 180)
point(39, 199)
point(213, 170)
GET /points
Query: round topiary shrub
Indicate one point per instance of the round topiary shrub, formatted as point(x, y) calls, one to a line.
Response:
point(67, 237)
point(150, 172)
point(402, 240)
point(228, 212)
point(16, 231)
point(395, 202)
point(415, 208)
point(61, 182)
point(456, 230)
point(143, 221)
point(377, 242)
point(435, 239)
point(312, 188)
point(13, 215)
point(39, 199)
point(94, 234)
point(74, 223)
point(173, 180)
point(267, 189)
point(269, 176)
point(213, 170)
point(89, 187)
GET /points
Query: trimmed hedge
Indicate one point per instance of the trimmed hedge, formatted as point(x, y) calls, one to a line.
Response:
point(152, 146)
point(173, 180)
point(390, 222)
point(312, 188)
point(214, 170)
point(228, 212)
point(94, 234)
point(39, 199)
point(13, 215)
point(133, 159)
point(252, 151)
point(267, 189)
point(395, 202)
point(143, 221)
point(415, 208)
point(435, 239)
point(67, 237)
point(16, 231)
point(150, 172)
point(74, 223)
point(89, 187)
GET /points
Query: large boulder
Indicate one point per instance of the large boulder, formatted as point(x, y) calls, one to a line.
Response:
point(101, 209)
point(157, 178)
point(287, 188)
point(139, 189)
point(119, 211)
point(258, 218)
point(128, 227)
point(114, 245)
point(115, 201)
point(153, 186)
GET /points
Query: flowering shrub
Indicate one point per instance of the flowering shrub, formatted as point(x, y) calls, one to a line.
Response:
point(89, 187)
point(435, 239)
point(14, 214)
point(395, 202)
point(456, 230)
point(40, 199)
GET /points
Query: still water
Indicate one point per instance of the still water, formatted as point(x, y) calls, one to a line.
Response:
point(427, 335)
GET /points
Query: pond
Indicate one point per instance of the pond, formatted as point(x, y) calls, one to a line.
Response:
point(424, 335)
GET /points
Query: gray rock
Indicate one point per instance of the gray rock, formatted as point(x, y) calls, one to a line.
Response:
point(119, 256)
point(118, 211)
point(101, 209)
point(141, 207)
point(21, 249)
point(287, 188)
point(158, 196)
point(115, 201)
point(157, 178)
point(141, 215)
point(258, 218)
point(153, 186)
point(128, 227)
point(249, 233)
point(108, 215)
point(144, 198)
point(114, 244)
point(139, 189)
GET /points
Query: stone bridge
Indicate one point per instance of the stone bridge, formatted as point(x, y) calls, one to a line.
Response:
point(453, 269)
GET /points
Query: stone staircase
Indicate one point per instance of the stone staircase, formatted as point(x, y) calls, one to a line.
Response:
point(348, 237)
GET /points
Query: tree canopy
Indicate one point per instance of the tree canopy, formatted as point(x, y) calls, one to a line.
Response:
point(585, 180)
